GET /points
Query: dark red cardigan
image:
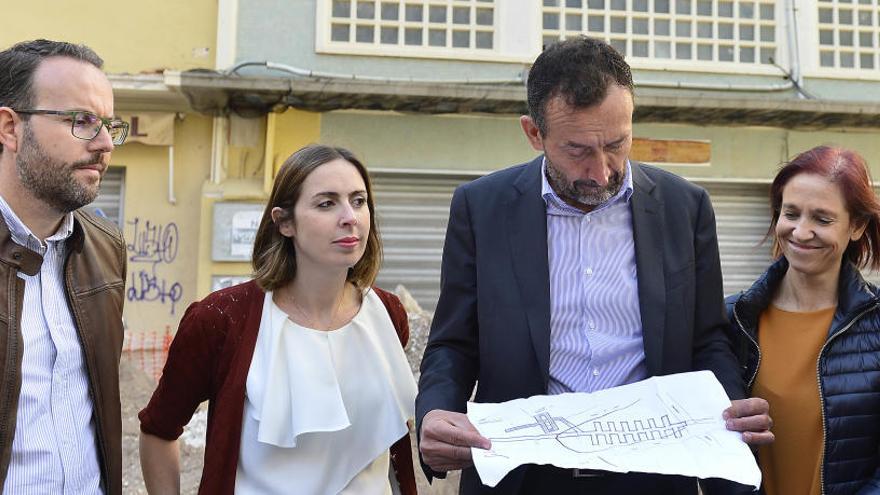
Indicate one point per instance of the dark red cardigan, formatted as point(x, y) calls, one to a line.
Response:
point(209, 360)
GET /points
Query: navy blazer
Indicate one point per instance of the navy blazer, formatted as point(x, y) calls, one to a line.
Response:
point(492, 323)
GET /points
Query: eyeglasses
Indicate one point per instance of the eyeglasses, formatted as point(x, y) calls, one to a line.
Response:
point(86, 125)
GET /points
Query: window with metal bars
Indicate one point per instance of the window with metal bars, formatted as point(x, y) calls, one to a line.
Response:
point(415, 27)
point(849, 34)
point(672, 31)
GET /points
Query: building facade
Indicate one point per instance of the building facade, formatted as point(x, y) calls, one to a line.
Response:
point(428, 93)
point(153, 187)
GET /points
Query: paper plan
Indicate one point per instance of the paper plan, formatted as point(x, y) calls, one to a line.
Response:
point(670, 425)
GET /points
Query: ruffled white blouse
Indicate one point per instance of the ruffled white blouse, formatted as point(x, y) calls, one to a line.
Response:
point(322, 408)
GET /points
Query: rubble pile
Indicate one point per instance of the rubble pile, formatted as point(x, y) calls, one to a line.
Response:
point(136, 387)
point(419, 326)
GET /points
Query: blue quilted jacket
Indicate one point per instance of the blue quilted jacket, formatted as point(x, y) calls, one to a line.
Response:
point(848, 370)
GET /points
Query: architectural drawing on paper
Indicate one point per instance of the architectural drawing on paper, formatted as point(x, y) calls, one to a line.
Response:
point(659, 425)
point(600, 431)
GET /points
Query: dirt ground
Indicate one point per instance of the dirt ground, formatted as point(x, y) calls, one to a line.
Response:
point(138, 379)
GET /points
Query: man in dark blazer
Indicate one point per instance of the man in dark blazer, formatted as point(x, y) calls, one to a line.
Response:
point(505, 318)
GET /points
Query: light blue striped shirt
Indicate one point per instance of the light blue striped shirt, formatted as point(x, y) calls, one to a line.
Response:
point(595, 321)
point(54, 449)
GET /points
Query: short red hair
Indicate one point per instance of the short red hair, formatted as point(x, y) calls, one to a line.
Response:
point(848, 170)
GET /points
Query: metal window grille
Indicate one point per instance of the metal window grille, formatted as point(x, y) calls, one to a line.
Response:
point(671, 31)
point(111, 198)
point(848, 34)
point(413, 27)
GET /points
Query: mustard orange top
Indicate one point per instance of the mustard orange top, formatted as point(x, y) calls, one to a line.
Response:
point(787, 378)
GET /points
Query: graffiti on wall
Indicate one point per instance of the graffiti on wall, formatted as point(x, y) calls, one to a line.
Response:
point(152, 247)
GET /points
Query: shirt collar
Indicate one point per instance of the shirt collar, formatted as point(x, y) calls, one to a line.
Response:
point(551, 198)
point(23, 236)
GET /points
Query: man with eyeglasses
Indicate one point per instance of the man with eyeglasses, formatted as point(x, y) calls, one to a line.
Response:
point(62, 274)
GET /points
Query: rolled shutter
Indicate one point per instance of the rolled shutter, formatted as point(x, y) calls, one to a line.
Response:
point(111, 198)
point(413, 211)
point(742, 216)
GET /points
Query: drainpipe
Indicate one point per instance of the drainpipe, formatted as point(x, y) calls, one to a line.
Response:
point(717, 86)
point(218, 149)
point(519, 79)
point(793, 47)
point(296, 71)
point(171, 197)
point(269, 154)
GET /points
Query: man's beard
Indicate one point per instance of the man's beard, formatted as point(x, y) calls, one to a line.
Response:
point(52, 181)
point(582, 192)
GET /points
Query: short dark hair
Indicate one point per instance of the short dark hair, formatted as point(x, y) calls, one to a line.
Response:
point(274, 256)
point(19, 63)
point(848, 170)
point(578, 69)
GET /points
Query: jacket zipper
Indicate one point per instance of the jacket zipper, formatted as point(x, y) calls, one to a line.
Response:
point(822, 396)
point(818, 378)
point(96, 408)
point(11, 353)
point(754, 343)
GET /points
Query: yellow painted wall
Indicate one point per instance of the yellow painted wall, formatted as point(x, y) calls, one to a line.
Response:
point(136, 37)
point(232, 190)
point(288, 131)
point(293, 130)
point(162, 277)
point(131, 36)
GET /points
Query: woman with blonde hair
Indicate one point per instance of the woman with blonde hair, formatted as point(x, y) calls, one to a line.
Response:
point(309, 389)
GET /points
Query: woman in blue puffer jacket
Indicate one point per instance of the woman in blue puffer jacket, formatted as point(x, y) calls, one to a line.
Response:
point(808, 331)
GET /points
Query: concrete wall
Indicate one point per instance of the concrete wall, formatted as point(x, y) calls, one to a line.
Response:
point(865, 141)
point(453, 142)
point(484, 143)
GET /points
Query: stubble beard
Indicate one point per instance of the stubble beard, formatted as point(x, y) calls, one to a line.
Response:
point(52, 181)
point(582, 192)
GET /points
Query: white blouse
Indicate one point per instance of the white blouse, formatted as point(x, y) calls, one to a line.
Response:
point(322, 408)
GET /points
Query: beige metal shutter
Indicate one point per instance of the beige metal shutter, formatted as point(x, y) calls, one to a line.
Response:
point(872, 276)
point(111, 198)
point(412, 212)
point(742, 216)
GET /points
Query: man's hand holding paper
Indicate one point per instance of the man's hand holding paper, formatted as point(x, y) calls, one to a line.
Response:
point(669, 424)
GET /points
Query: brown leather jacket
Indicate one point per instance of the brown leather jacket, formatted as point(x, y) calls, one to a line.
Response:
point(94, 274)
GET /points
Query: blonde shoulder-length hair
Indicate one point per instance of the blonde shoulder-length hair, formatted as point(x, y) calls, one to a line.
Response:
point(274, 257)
